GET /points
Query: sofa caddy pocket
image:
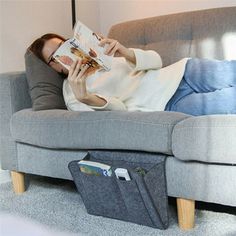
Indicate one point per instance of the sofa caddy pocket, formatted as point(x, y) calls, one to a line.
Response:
point(141, 200)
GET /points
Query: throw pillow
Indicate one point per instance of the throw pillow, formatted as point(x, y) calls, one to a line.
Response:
point(45, 84)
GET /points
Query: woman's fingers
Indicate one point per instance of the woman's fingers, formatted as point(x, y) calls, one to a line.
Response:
point(112, 48)
point(98, 36)
point(77, 79)
point(77, 68)
point(105, 41)
point(82, 72)
point(72, 68)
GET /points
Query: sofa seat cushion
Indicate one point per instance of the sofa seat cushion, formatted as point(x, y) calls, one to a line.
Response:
point(209, 139)
point(145, 131)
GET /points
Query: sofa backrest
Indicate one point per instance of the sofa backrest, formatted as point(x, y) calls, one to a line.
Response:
point(205, 34)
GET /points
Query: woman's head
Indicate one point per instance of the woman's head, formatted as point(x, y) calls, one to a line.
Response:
point(45, 46)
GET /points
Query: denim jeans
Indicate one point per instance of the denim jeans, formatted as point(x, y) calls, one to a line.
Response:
point(208, 87)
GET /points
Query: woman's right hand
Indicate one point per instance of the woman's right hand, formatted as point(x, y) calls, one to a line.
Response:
point(77, 79)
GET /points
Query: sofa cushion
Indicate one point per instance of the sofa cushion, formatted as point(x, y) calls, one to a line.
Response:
point(45, 84)
point(146, 131)
point(206, 33)
point(206, 138)
point(169, 35)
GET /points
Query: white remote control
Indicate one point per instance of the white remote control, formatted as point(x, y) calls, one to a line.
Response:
point(122, 174)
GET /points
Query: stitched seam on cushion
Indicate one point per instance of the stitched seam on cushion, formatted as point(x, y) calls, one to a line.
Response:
point(10, 127)
point(93, 121)
point(197, 127)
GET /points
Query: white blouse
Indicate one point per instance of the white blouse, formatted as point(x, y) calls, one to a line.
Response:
point(141, 87)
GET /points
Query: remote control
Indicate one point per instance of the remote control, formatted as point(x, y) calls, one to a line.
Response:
point(122, 174)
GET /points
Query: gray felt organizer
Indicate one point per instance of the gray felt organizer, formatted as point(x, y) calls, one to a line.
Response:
point(142, 200)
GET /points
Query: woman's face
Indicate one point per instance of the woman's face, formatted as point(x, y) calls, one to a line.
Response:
point(48, 50)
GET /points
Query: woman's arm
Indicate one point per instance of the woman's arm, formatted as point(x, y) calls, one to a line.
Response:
point(77, 81)
point(140, 59)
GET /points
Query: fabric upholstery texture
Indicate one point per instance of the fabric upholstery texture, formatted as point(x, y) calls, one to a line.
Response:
point(203, 34)
point(187, 179)
point(45, 84)
point(42, 158)
point(91, 130)
point(141, 200)
point(201, 181)
point(208, 138)
point(14, 97)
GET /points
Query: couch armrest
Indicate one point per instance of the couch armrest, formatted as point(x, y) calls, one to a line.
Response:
point(210, 138)
point(14, 96)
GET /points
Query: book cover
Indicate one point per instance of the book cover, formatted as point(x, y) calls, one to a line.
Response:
point(84, 45)
point(95, 168)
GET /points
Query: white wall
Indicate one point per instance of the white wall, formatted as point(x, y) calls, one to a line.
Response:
point(115, 11)
point(88, 12)
point(22, 21)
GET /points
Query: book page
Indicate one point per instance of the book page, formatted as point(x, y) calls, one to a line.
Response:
point(83, 45)
point(88, 41)
point(68, 52)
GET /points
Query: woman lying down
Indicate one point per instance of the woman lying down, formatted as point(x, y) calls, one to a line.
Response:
point(137, 81)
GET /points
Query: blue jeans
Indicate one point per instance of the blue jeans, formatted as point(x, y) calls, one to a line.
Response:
point(208, 87)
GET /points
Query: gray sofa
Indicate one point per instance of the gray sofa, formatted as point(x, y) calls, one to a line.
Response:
point(201, 150)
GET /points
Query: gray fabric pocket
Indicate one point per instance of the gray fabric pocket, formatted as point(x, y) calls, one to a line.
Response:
point(136, 209)
point(102, 197)
point(142, 200)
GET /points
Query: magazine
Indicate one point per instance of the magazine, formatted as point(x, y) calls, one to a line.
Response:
point(84, 45)
point(95, 168)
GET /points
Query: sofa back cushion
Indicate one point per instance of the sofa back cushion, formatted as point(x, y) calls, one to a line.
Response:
point(205, 34)
point(45, 84)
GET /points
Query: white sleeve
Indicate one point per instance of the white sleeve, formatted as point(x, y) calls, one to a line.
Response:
point(71, 102)
point(146, 60)
point(78, 106)
point(113, 104)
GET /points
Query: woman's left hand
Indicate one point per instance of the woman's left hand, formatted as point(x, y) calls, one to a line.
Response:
point(113, 47)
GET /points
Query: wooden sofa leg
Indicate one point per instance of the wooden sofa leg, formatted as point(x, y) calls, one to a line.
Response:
point(186, 211)
point(18, 182)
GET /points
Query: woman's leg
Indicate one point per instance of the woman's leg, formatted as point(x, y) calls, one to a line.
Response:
point(208, 87)
point(221, 101)
point(183, 90)
point(204, 75)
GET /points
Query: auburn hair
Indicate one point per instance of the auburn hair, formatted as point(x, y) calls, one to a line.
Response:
point(37, 46)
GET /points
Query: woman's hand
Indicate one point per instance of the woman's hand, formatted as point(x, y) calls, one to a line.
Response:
point(77, 79)
point(113, 47)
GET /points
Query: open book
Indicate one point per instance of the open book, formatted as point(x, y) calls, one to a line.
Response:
point(84, 45)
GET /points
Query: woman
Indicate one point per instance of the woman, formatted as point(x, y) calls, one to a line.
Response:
point(136, 82)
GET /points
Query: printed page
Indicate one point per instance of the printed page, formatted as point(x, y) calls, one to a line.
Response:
point(68, 52)
point(88, 41)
